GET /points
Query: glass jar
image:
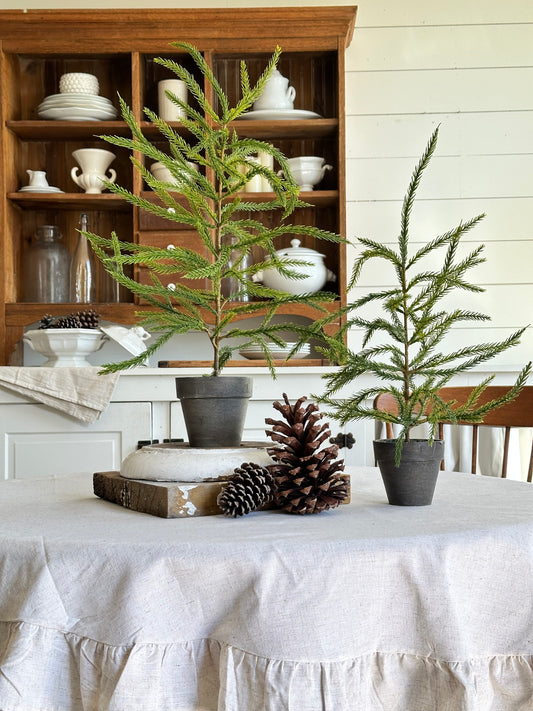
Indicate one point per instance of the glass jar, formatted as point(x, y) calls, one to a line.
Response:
point(46, 267)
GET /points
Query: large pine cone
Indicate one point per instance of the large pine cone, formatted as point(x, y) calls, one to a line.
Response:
point(308, 479)
point(250, 487)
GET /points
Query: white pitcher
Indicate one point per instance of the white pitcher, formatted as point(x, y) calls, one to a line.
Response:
point(277, 94)
point(94, 164)
point(37, 179)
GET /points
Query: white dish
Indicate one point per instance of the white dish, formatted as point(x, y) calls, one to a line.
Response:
point(131, 339)
point(77, 114)
point(254, 352)
point(59, 103)
point(78, 97)
point(30, 189)
point(279, 114)
point(280, 355)
point(65, 347)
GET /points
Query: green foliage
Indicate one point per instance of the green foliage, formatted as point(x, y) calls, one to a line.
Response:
point(209, 202)
point(410, 327)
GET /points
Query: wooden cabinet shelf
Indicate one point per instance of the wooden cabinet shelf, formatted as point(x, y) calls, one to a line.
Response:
point(66, 130)
point(69, 201)
point(292, 363)
point(36, 48)
point(308, 128)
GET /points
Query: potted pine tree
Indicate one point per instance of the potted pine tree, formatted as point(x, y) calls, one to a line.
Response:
point(403, 350)
point(211, 202)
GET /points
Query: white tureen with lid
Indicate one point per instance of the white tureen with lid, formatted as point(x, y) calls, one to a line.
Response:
point(314, 272)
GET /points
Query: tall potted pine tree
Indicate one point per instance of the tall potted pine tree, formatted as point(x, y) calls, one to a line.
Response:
point(404, 329)
point(211, 202)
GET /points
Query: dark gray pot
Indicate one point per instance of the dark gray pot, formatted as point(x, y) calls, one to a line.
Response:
point(413, 482)
point(214, 408)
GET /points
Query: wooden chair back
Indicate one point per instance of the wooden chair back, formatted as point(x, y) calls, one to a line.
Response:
point(518, 413)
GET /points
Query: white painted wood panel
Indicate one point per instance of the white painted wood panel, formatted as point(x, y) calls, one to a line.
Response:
point(505, 218)
point(440, 47)
point(507, 262)
point(38, 441)
point(439, 91)
point(508, 306)
point(385, 13)
point(448, 176)
point(490, 133)
point(512, 360)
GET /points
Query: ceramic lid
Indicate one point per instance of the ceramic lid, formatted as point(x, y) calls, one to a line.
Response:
point(299, 252)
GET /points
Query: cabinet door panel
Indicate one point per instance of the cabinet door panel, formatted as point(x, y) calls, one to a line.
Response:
point(39, 442)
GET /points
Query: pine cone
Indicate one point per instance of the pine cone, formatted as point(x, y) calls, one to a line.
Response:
point(71, 321)
point(250, 487)
point(308, 479)
point(88, 319)
point(47, 321)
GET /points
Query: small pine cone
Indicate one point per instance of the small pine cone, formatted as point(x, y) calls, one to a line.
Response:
point(71, 321)
point(47, 321)
point(250, 487)
point(88, 319)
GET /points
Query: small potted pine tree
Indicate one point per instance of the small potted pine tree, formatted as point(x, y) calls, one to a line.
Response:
point(211, 202)
point(403, 350)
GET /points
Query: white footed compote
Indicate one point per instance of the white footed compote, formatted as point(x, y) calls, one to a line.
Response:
point(94, 163)
point(307, 171)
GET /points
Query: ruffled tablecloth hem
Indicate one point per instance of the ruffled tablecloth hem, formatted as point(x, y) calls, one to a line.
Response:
point(44, 669)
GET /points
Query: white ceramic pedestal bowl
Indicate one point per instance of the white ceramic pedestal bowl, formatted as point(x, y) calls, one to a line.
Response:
point(163, 174)
point(308, 171)
point(65, 347)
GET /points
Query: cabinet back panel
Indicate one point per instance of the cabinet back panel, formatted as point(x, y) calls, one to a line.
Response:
point(38, 77)
point(57, 160)
point(313, 76)
point(153, 73)
point(102, 223)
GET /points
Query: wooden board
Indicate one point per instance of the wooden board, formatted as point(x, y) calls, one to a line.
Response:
point(167, 499)
point(294, 362)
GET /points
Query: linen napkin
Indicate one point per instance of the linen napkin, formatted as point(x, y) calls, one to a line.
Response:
point(79, 392)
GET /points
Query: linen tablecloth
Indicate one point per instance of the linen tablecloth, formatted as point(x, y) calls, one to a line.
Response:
point(362, 608)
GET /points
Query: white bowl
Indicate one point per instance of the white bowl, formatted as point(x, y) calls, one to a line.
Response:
point(308, 171)
point(163, 174)
point(65, 347)
point(78, 83)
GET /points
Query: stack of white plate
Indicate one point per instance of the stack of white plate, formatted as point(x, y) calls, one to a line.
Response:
point(76, 107)
point(254, 352)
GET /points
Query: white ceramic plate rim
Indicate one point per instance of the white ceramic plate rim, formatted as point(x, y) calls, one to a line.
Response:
point(256, 355)
point(278, 114)
point(77, 114)
point(30, 189)
point(75, 102)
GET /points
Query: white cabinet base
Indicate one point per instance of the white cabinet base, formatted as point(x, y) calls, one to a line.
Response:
point(38, 441)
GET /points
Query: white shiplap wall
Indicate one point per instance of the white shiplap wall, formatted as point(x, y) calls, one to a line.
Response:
point(467, 66)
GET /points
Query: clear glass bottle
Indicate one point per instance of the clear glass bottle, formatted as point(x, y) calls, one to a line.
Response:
point(83, 269)
point(46, 268)
point(231, 287)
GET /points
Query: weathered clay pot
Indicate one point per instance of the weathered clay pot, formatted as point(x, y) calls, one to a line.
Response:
point(413, 482)
point(214, 408)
